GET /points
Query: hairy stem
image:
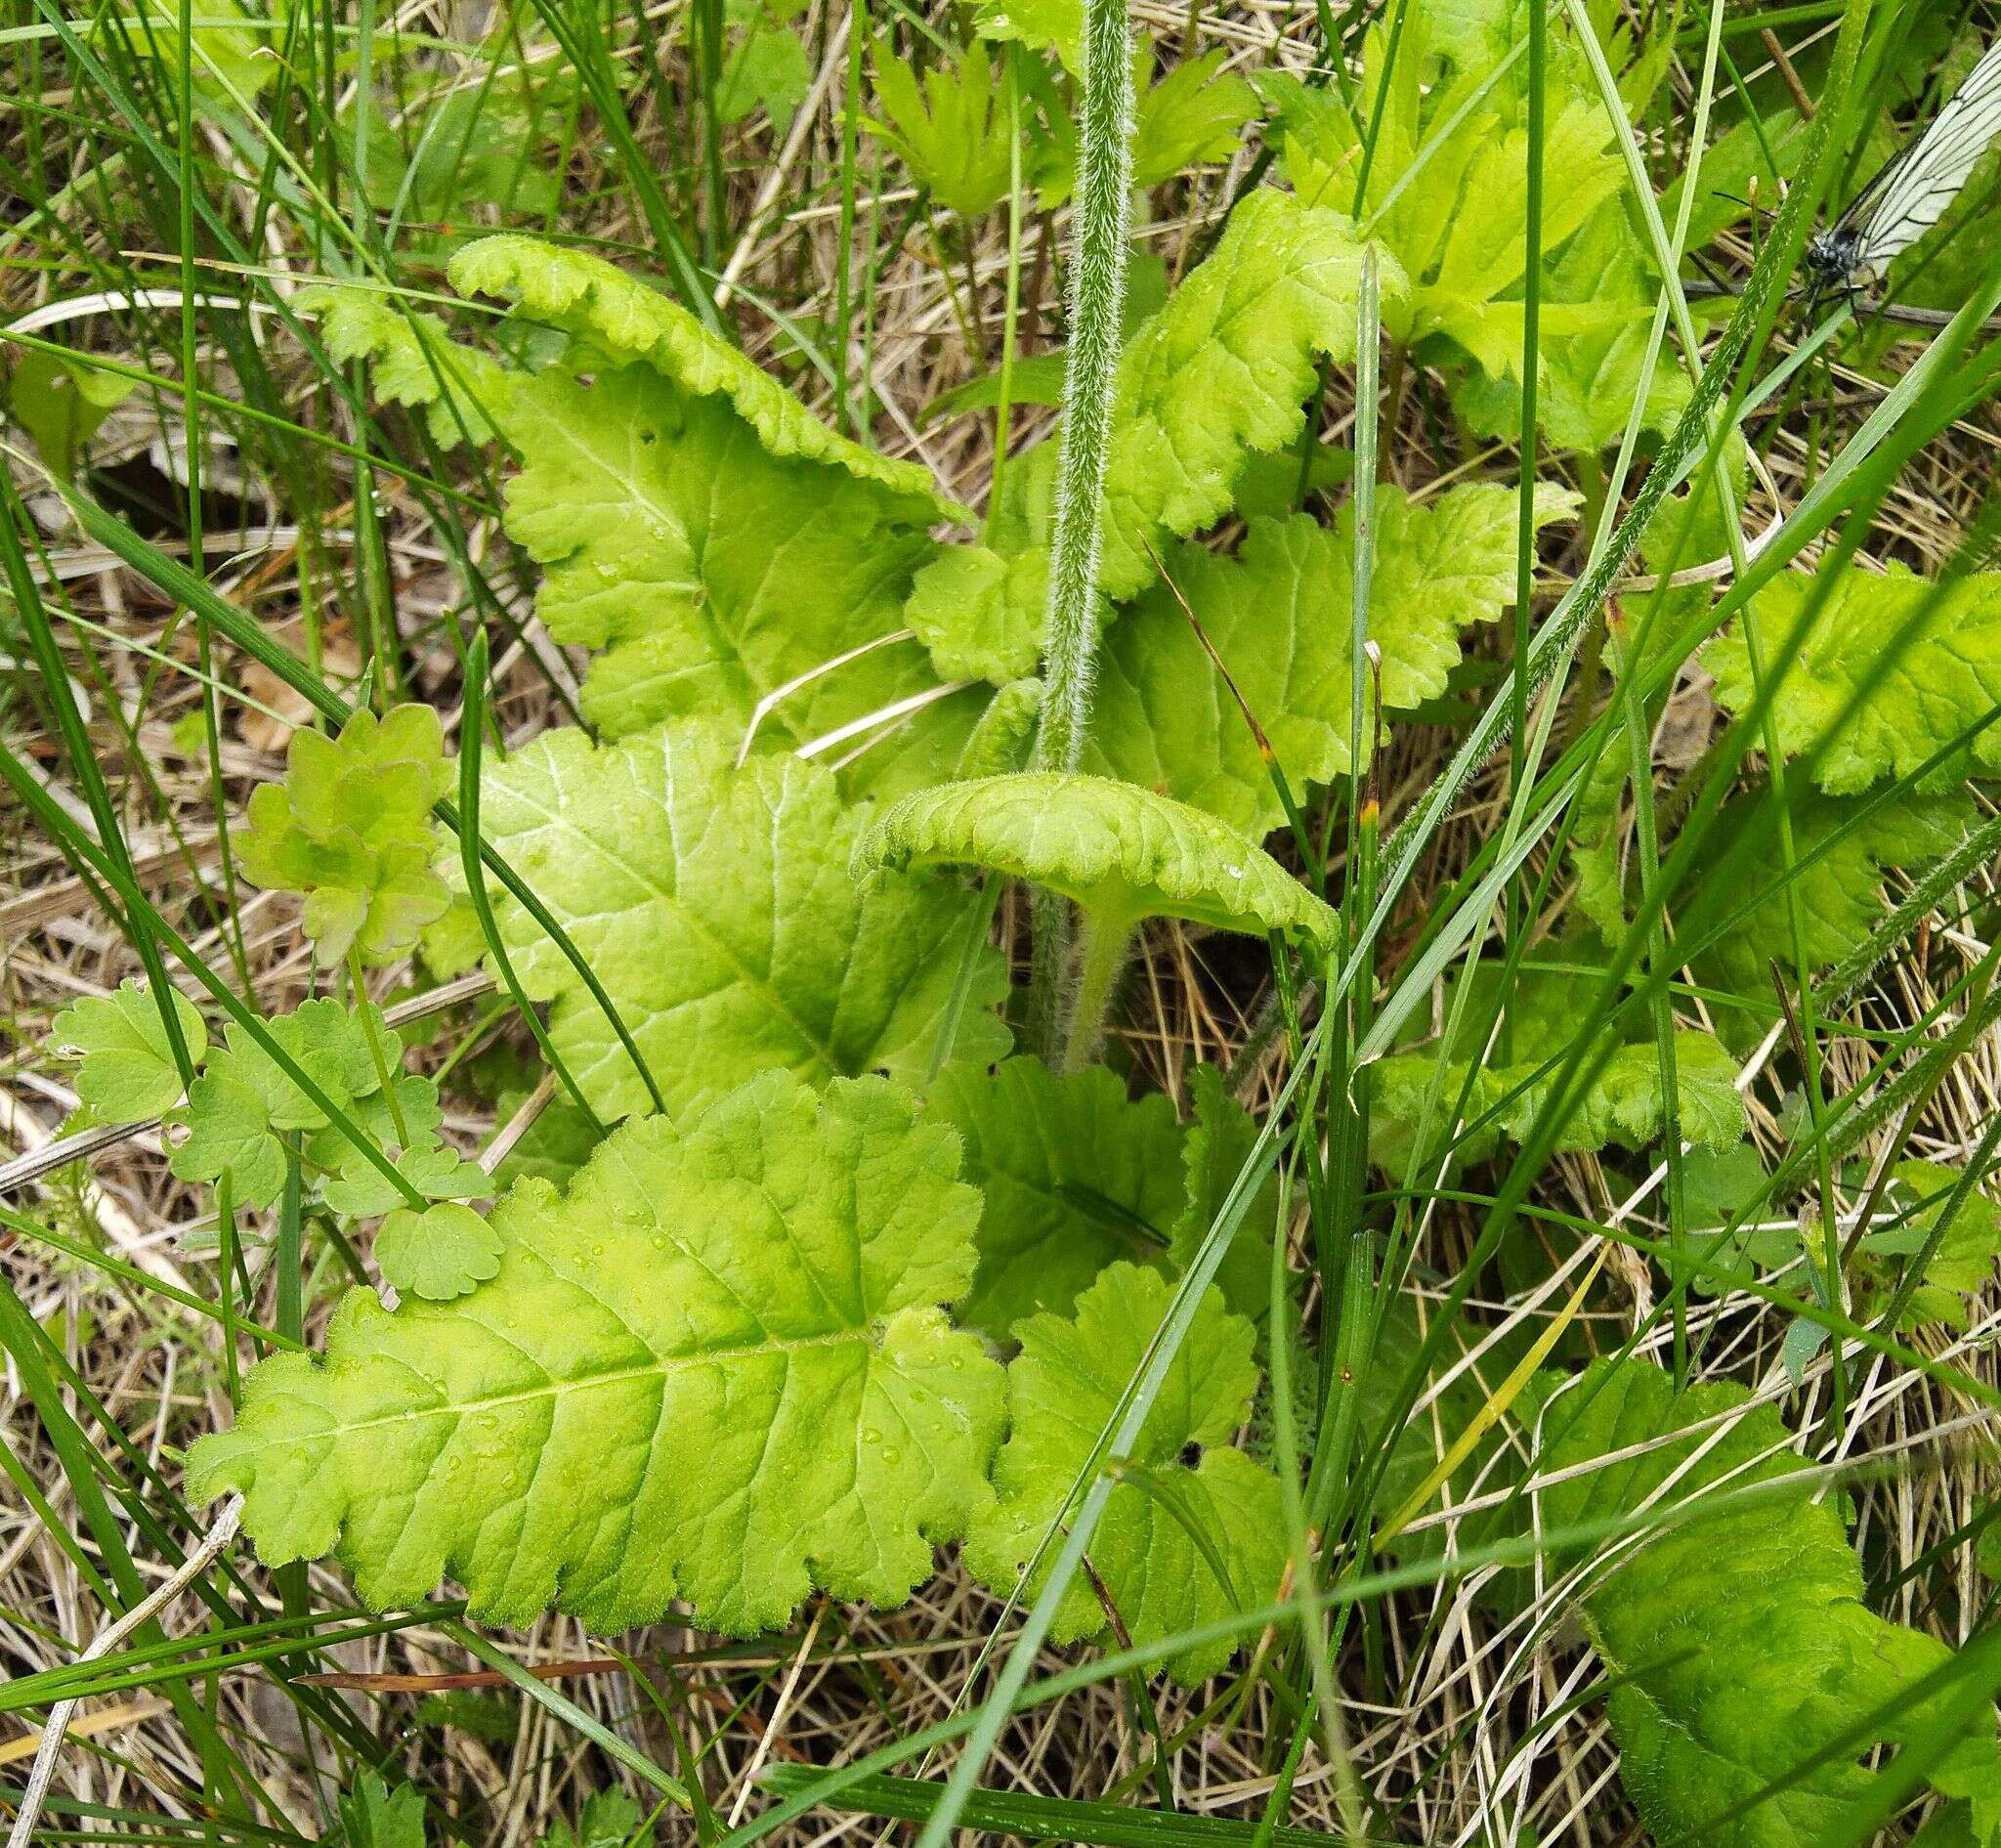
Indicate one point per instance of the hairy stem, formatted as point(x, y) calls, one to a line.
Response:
point(1103, 955)
point(1097, 286)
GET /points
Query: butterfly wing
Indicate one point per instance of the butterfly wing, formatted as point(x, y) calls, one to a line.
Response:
point(1922, 181)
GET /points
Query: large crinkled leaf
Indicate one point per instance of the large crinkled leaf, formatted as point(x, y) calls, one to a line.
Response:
point(707, 572)
point(1280, 617)
point(1548, 1008)
point(1062, 1388)
point(716, 1370)
point(627, 320)
point(1915, 692)
point(1120, 851)
point(1075, 1174)
point(1223, 370)
point(1739, 1644)
point(715, 907)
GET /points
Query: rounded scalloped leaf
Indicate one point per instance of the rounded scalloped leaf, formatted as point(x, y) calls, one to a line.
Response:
point(586, 294)
point(1122, 852)
point(714, 1369)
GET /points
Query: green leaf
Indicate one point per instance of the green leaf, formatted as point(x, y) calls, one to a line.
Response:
point(1223, 370)
point(362, 1192)
point(373, 1816)
point(1546, 1013)
point(554, 1146)
point(1278, 616)
point(242, 1106)
point(998, 743)
point(1182, 1481)
point(1716, 1696)
point(714, 905)
point(1917, 693)
point(610, 1819)
point(1054, 24)
point(463, 393)
point(951, 133)
point(1219, 1138)
point(350, 828)
point(714, 1371)
point(1122, 852)
point(626, 320)
point(1194, 117)
point(235, 50)
point(1959, 1270)
point(61, 403)
point(980, 612)
point(1840, 892)
point(128, 1072)
point(704, 602)
point(1075, 1174)
point(441, 1253)
point(768, 67)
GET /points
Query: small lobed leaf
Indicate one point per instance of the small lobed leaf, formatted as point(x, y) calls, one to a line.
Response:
point(350, 829)
point(1196, 1530)
point(1120, 851)
point(628, 321)
point(128, 1072)
point(1961, 1267)
point(1623, 1103)
point(715, 1370)
point(1890, 670)
point(1220, 1138)
point(1075, 1174)
point(713, 905)
point(1718, 1696)
point(373, 1816)
point(951, 131)
point(444, 1252)
point(242, 1106)
point(464, 394)
point(1279, 617)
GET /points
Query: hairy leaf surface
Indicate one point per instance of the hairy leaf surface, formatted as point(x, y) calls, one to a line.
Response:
point(715, 1370)
point(715, 906)
point(1119, 850)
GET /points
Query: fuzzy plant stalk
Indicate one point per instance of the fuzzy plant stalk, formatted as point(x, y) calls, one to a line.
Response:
point(1100, 216)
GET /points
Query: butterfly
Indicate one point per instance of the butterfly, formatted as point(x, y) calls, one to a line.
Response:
point(1912, 190)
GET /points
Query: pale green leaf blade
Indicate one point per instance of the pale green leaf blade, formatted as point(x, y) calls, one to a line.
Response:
point(1117, 851)
point(714, 905)
point(1075, 1174)
point(1062, 1388)
point(1779, 1655)
point(628, 321)
point(127, 1071)
point(715, 1370)
point(438, 1254)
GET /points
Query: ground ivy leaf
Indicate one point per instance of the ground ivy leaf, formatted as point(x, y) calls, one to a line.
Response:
point(350, 829)
point(715, 1370)
point(1075, 1174)
point(128, 1072)
point(714, 905)
point(1223, 370)
point(1117, 851)
point(441, 1253)
point(1278, 615)
point(1918, 690)
point(627, 320)
point(703, 602)
point(1716, 1695)
point(1061, 1390)
point(1622, 1104)
point(463, 393)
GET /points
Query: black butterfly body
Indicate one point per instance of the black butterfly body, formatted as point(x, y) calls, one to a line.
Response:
point(1912, 191)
